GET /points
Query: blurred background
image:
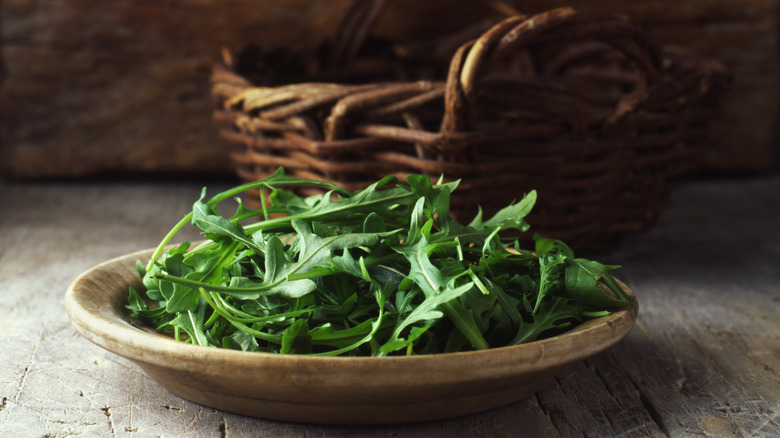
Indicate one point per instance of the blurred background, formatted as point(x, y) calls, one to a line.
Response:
point(109, 88)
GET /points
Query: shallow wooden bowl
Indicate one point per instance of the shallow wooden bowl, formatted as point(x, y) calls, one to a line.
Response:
point(335, 390)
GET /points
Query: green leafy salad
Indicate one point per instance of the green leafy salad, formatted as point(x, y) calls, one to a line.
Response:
point(381, 271)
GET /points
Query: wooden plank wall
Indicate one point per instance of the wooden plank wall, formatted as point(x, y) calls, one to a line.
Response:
point(122, 86)
point(743, 34)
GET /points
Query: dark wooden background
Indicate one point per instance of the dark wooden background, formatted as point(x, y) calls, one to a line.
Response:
point(105, 87)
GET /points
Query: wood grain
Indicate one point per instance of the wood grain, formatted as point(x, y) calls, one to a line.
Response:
point(122, 87)
point(703, 359)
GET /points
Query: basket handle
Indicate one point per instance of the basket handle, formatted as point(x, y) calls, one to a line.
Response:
point(362, 16)
point(353, 28)
point(474, 59)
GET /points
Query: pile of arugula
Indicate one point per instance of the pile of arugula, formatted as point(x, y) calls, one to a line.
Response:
point(380, 271)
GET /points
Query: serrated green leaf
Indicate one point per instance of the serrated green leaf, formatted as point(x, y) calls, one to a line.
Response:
point(583, 283)
point(296, 338)
point(383, 270)
point(509, 217)
point(428, 310)
point(552, 315)
point(192, 323)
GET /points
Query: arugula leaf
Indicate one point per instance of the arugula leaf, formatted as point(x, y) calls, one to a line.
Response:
point(277, 271)
point(192, 323)
point(296, 338)
point(584, 280)
point(242, 341)
point(426, 311)
point(552, 315)
point(218, 228)
point(510, 217)
point(381, 271)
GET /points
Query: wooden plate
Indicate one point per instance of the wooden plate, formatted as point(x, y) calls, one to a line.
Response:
point(327, 390)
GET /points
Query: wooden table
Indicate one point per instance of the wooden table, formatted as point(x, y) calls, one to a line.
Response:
point(702, 360)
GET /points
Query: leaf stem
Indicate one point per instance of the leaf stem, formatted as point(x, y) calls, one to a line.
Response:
point(278, 178)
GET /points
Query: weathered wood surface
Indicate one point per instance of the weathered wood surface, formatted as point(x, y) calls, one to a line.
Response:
point(103, 87)
point(702, 360)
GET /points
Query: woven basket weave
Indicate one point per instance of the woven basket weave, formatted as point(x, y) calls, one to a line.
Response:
point(577, 105)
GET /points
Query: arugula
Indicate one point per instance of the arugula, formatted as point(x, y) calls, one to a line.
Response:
point(381, 271)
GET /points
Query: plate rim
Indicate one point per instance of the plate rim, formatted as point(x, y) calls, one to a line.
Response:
point(102, 329)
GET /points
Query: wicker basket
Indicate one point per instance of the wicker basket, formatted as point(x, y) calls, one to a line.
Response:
point(577, 105)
